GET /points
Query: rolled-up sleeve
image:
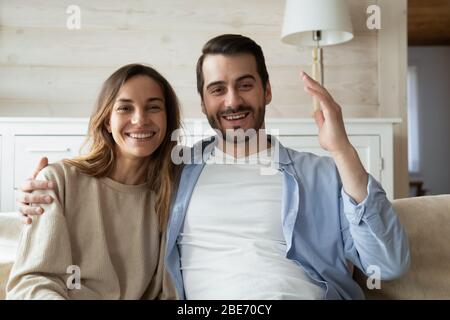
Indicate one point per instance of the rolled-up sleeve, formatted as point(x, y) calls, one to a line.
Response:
point(373, 235)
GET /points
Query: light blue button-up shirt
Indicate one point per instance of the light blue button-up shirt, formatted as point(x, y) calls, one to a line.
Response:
point(324, 228)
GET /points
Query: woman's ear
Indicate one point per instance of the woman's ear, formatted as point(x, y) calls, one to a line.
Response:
point(108, 125)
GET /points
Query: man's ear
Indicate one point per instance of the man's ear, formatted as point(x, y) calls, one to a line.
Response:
point(268, 94)
point(203, 107)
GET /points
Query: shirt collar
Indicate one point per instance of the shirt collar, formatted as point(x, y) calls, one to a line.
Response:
point(204, 148)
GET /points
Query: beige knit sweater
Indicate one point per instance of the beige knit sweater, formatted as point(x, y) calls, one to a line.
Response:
point(107, 229)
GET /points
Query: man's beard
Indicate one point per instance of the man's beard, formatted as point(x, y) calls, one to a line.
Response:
point(237, 134)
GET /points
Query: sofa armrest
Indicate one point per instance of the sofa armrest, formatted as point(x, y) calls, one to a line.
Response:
point(427, 223)
point(10, 229)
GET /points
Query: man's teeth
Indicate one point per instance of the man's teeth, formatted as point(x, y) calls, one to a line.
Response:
point(140, 135)
point(236, 117)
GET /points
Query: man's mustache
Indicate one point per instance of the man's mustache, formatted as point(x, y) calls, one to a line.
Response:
point(231, 110)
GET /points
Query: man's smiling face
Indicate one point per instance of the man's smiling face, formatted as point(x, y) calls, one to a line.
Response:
point(233, 93)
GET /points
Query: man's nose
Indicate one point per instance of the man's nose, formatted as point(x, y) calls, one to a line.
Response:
point(233, 98)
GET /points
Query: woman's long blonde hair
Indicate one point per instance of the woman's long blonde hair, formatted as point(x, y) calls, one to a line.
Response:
point(100, 159)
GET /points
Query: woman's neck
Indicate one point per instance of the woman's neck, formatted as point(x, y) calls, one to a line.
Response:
point(130, 171)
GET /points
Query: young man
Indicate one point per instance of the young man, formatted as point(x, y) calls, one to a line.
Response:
point(235, 233)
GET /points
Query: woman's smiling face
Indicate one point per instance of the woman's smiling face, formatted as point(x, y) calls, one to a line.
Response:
point(138, 121)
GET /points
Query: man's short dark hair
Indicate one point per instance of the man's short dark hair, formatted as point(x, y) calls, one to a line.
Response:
point(230, 45)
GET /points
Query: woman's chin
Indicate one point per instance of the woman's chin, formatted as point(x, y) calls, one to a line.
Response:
point(140, 153)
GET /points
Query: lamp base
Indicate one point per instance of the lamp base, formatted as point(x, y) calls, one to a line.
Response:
point(317, 71)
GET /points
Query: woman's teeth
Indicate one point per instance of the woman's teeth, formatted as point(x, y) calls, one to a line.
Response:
point(140, 135)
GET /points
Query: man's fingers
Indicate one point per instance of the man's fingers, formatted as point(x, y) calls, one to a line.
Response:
point(31, 185)
point(31, 211)
point(319, 118)
point(310, 82)
point(319, 95)
point(329, 107)
point(43, 162)
point(26, 198)
point(25, 219)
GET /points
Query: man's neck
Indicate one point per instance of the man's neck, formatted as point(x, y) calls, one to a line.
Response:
point(254, 144)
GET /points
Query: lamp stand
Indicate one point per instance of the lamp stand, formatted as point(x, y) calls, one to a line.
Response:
point(317, 66)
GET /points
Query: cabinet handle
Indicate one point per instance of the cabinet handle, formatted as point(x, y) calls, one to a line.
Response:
point(49, 150)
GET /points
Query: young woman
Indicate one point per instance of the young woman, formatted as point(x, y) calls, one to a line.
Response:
point(103, 235)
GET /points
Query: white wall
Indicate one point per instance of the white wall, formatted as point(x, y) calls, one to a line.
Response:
point(48, 70)
point(433, 72)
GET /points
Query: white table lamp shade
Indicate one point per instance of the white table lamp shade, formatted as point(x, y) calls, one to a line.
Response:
point(331, 17)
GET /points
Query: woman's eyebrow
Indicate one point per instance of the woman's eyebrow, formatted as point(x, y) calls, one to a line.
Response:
point(148, 100)
point(124, 100)
point(155, 99)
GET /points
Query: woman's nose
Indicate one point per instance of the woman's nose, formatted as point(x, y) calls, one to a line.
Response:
point(139, 118)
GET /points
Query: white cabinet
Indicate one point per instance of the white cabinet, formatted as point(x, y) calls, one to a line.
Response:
point(29, 149)
point(368, 148)
point(24, 140)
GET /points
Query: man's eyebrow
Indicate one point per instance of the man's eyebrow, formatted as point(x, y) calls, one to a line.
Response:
point(214, 84)
point(245, 76)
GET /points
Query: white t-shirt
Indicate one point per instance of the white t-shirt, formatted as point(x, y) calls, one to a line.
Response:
point(232, 244)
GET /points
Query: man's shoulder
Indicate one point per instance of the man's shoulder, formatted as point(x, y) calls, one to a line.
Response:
point(194, 155)
point(310, 166)
point(309, 159)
